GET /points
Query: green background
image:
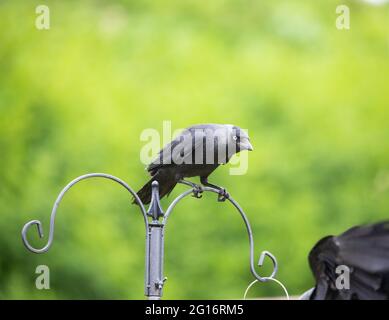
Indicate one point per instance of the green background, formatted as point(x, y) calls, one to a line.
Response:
point(75, 99)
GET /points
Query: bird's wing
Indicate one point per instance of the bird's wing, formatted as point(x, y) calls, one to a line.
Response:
point(365, 251)
point(179, 150)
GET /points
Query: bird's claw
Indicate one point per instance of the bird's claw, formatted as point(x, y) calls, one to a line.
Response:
point(223, 195)
point(197, 192)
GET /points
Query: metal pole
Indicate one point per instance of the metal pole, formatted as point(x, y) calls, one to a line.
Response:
point(154, 279)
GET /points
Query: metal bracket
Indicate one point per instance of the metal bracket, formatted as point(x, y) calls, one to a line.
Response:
point(155, 229)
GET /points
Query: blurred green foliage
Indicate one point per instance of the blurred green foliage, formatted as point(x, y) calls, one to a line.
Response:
point(75, 99)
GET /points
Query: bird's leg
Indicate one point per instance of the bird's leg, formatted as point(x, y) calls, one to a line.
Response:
point(223, 194)
point(197, 189)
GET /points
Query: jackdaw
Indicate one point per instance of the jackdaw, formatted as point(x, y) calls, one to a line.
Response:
point(197, 151)
point(362, 253)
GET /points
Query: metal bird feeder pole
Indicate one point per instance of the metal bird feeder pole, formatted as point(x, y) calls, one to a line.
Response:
point(155, 222)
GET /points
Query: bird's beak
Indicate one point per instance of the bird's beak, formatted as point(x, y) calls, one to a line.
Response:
point(246, 146)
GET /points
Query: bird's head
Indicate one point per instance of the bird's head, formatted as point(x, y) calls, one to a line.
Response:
point(241, 139)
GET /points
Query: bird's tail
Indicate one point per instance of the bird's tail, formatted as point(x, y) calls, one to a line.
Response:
point(166, 185)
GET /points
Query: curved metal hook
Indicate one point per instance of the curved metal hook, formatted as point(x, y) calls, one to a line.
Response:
point(57, 202)
point(249, 232)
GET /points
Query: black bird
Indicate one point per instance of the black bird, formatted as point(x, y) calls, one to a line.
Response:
point(197, 151)
point(365, 251)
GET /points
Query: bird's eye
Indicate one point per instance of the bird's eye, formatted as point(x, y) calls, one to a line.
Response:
point(235, 138)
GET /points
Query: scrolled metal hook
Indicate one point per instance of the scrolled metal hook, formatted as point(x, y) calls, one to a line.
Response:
point(251, 241)
point(263, 255)
point(273, 259)
point(58, 201)
point(24, 234)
